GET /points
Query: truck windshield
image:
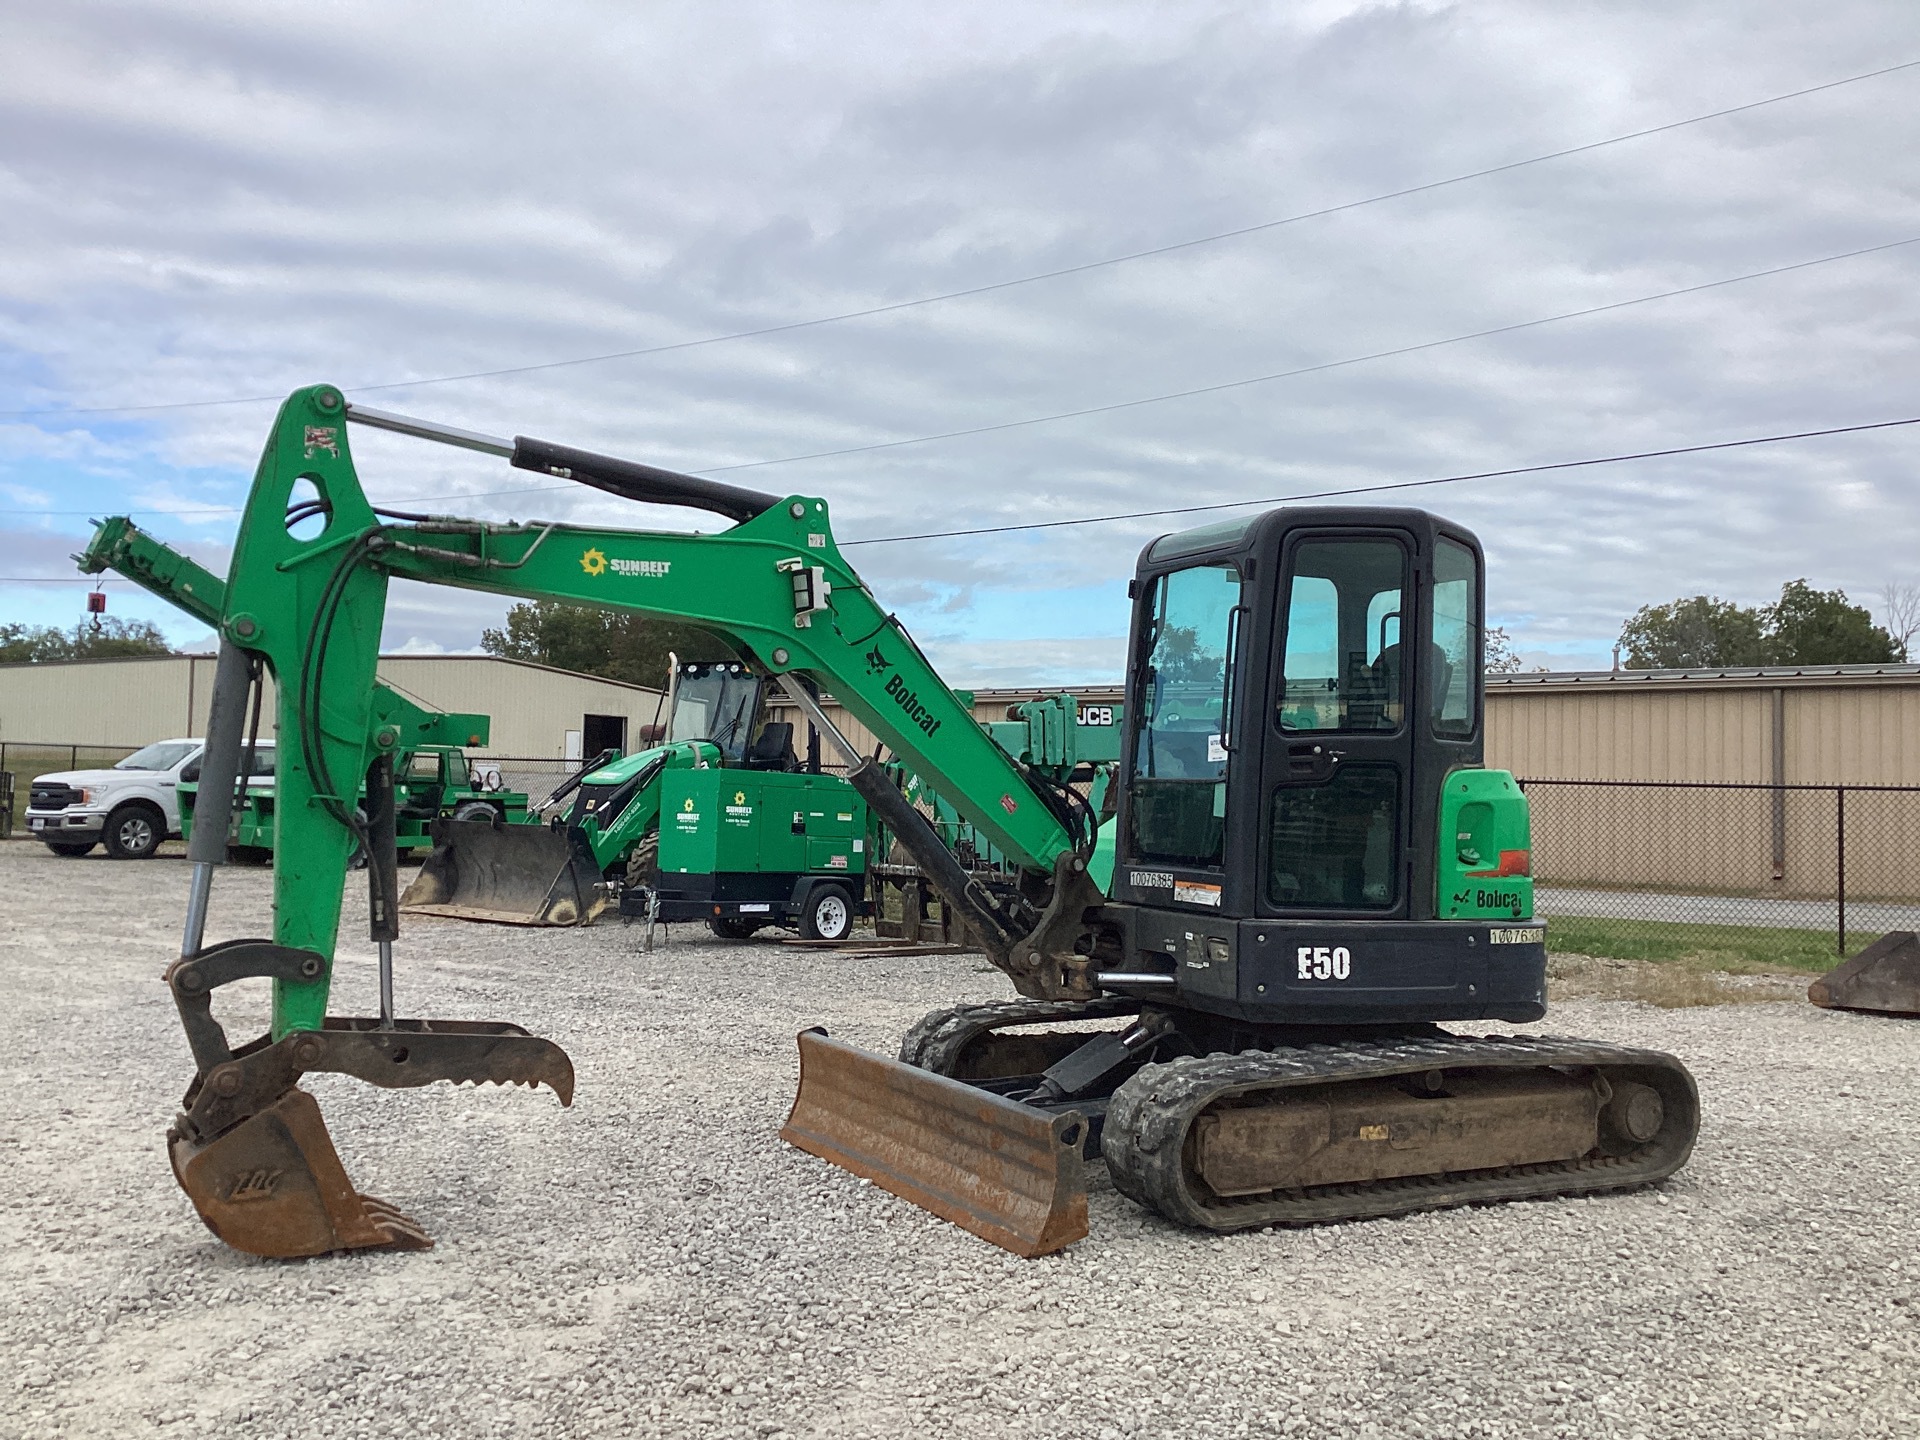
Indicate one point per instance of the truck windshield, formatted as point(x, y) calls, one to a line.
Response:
point(716, 704)
point(1178, 799)
point(161, 755)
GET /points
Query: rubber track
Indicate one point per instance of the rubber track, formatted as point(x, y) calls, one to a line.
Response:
point(1152, 1113)
point(936, 1040)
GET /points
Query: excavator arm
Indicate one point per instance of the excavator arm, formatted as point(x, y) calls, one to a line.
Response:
point(775, 585)
point(304, 603)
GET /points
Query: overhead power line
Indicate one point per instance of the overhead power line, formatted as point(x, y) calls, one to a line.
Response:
point(1388, 485)
point(992, 287)
point(210, 510)
point(1350, 490)
point(1215, 389)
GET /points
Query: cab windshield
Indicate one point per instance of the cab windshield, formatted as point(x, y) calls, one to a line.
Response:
point(1178, 797)
point(161, 755)
point(716, 705)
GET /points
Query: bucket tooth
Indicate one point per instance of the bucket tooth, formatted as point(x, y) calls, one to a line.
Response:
point(509, 874)
point(1010, 1173)
point(1883, 978)
point(273, 1186)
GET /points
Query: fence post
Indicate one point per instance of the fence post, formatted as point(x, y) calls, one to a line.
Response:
point(1840, 863)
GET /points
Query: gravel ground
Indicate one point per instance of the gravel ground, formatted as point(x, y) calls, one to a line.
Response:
point(654, 1262)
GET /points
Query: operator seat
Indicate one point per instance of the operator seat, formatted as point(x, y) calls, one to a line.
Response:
point(773, 750)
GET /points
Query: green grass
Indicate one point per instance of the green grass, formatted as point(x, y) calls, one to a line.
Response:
point(1741, 949)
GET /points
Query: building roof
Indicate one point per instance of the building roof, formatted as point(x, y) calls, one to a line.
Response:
point(1733, 675)
point(385, 660)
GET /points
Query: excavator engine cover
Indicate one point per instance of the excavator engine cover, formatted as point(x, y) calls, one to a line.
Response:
point(1010, 1173)
point(273, 1185)
point(512, 874)
point(1884, 978)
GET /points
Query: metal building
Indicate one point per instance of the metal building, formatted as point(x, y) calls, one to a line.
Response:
point(537, 711)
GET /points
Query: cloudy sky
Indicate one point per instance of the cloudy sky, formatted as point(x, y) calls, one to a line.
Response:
point(223, 203)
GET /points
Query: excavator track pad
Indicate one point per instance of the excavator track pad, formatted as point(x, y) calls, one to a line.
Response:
point(1362, 1129)
point(1008, 1172)
point(507, 874)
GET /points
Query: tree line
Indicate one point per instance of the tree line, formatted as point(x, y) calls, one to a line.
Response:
point(36, 644)
point(1804, 626)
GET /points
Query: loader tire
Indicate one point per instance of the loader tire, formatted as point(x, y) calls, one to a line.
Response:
point(475, 810)
point(643, 861)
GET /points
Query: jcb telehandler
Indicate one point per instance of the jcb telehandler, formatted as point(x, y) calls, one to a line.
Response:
point(1314, 872)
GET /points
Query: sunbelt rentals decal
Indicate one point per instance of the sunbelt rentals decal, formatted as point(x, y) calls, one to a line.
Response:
point(594, 561)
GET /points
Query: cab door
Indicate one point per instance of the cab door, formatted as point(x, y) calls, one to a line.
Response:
point(1338, 748)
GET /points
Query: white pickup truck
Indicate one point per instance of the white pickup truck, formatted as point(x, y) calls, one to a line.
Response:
point(131, 807)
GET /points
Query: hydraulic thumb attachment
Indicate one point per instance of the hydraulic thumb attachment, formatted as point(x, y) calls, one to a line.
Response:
point(250, 1148)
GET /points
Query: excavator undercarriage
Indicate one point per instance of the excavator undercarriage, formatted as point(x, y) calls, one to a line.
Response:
point(1231, 1127)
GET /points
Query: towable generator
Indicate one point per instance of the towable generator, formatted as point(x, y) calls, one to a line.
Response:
point(1314, 873)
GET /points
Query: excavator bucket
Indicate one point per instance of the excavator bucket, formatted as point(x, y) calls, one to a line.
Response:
point(1884, 977)
point(1010, 1173)
point(273, 1186)
point(512, 874)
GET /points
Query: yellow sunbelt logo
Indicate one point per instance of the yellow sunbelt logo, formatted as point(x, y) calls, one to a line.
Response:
point(594, 562)
point(688, 805)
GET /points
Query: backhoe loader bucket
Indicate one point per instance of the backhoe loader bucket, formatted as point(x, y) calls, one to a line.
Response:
point(1010, 1173)
point(512, 874)
point(273, 1186)
point(1884, 977)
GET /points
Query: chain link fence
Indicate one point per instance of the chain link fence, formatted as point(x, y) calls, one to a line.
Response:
point(1791, 874)
point(536, 775)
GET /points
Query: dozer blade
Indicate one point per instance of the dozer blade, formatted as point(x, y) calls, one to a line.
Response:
point(510, 874)
point(1010, 1173)
point(273, 1185)
point(1884, 977)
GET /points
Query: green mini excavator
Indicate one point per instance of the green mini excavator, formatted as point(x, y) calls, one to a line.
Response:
point(1314, 873)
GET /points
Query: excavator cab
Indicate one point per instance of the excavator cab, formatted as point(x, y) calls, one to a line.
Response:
point(1304, 703)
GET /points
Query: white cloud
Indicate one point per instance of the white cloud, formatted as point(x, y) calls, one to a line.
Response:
point(220, 201)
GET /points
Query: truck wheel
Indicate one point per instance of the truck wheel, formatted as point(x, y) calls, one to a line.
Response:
point(475, 810)
point(733, 927)
point(71, 848)
point(134, 832)
point(828, 914)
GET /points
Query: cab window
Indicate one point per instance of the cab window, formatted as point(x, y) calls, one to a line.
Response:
point(1178, 799)
point(1455, 687)
point(1343, 662)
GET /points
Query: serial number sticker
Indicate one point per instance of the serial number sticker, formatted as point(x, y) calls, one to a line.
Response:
point(1191, 892)
point(1525, 935)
